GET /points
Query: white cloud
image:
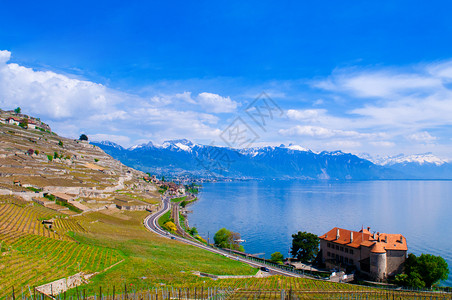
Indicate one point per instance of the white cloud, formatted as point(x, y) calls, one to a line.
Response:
point(216, 103)
point(208, 102)
point(164, 100)
point(118, 139)
point(318, 102)
point(343, 144)
point(386, 144)
point(52, 95)
point(321, 132)
point(442, 70)
point(404, 100)
point(422, 137)
point(4, 57)
point(72, 106)
point(310, 115)
point(379, 83)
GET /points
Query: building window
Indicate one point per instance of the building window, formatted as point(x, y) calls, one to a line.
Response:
point(341, 258)
point(351, 260)
point(337, 247)
point(328, 245)
point(346, 260)
point(328, 254)
point(346, 250)
point(342, 248)
point(351, 251)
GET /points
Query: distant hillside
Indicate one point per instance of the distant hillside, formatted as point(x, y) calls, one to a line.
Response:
point(421, 166)
point(184, 157)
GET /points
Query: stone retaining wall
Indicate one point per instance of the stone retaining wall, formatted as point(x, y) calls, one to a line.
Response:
point(61, 285)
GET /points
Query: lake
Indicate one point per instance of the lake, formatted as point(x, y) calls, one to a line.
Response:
point(267, 213)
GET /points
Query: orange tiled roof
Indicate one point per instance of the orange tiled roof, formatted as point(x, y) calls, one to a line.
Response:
point(364, 238)
point(378, 248)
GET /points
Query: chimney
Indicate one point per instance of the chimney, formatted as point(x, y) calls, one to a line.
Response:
point(386, 239)
point(401, 239)
point(374, 236)
point(368, 228)
point(351, 236)
point(337, 234)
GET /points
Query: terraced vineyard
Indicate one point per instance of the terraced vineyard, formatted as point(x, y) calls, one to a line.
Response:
point(27, 219)
point(33, 260)
point(276, 283)
point(65, 225)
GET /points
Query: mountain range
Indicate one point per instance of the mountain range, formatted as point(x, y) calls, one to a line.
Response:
point(182, 157)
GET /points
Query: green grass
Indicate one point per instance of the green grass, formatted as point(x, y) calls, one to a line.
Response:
point(193, 190)
point(164, 218)
point(185, 202)
point(71, 207)
point(179, 199)
point(182, 221)
point(33, 189)
point(158, 259)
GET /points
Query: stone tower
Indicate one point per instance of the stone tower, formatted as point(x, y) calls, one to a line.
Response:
point(378, 262)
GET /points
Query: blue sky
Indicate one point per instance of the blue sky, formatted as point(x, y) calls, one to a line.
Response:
point(360, 76)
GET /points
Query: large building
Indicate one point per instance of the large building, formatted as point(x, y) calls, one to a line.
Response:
point(377, 255)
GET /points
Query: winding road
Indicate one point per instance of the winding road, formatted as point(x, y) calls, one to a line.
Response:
point(151, 223)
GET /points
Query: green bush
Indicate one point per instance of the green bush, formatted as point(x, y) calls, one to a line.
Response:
point(49, 157)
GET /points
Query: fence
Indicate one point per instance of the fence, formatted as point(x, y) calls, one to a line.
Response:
point(223, 293)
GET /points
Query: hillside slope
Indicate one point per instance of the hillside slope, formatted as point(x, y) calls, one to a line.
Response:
point(78, 226)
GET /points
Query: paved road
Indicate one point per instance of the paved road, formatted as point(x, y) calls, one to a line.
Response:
point(151, 223)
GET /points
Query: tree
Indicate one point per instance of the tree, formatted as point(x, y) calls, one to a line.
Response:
point(277, 257)
point(83, 137)
point(305, 246)
point(18, 110)
point(432, 269)
point(228, 239)
point(30, 151)
point(24, 123)
point(222, 237)
point(193, 231)
point(423, 271)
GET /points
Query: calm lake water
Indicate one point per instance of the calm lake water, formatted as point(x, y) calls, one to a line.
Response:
point(267, 213)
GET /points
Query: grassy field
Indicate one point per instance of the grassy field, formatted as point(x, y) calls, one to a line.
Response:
point(165, 217)
point(178, 199)
point(151, 259)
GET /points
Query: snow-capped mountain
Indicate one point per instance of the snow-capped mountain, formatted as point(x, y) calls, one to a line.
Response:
point(183, 144)
point(293, 161)
point(110, 144)
point(420, 166)
point(420, 159)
